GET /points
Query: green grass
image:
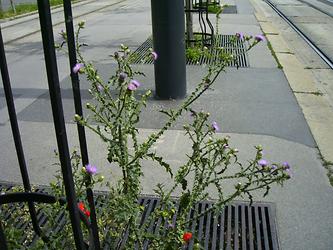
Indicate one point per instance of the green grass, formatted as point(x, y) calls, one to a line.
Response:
point(213, 7)
point(317, 93)
point(329, 167)
point(25, 8)
point(269, 45)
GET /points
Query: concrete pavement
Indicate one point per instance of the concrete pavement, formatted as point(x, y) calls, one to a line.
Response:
point(254, 105)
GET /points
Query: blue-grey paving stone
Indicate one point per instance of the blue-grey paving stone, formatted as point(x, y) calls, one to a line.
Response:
point(3, 102)
point(249, 101)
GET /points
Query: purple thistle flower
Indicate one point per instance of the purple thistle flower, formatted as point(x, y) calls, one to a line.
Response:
point(240, 35)
point(215, 126)
point(154, 55)
point(136, 83)
point(100, 88)
point(77, 67)
point(133, 85)
point(263, 163)
point(91, 169)
point(288, 172)
point(63, 34)
point(193, 113)
point(260, 38)
point(286, 165)
point(274, 167)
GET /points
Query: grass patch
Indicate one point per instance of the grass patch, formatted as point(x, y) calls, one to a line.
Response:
point(316, 93)
point(194, 53)
point(26, 8)
point(269, 45)
point(329, 167)
point(213, 7)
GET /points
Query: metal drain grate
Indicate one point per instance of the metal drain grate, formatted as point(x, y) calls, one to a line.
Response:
point(228, 42)
point(230, 9)
point(238, 226)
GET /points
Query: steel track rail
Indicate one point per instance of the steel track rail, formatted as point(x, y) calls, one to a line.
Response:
point(322, 55)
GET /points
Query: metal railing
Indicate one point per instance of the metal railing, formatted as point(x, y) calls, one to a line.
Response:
point(201, 8)
point(70, 201)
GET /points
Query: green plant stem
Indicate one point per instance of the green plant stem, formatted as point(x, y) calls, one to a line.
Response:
point(232, 197)
point(194, 96)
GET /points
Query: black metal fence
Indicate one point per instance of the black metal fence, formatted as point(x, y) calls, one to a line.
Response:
point(76, 216)
point(201, 9)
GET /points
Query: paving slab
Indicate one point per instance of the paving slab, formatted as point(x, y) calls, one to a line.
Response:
point(278, 44)
point(244, 98)
point(300, 80)
point(307, 193)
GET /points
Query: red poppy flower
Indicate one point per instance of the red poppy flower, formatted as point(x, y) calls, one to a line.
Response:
point(81, 206)
point(87, 213)
point(187, 236)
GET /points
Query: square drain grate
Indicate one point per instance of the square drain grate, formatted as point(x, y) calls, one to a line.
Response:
point(230, 9)
point(228, 42)
point(238, 226)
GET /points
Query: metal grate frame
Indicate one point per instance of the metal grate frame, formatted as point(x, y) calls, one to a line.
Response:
point(238, 226)
point(228, 42)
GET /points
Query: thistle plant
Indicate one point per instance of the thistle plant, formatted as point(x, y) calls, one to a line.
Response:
point(116, 111)
point(211, 165)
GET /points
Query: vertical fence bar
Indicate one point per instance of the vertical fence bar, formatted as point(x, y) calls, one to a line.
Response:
point(16, 133)
point(78, 110)
point(3, 243)
point(75, 77)
point(58, 117)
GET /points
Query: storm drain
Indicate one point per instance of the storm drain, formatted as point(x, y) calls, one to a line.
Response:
point(238, 226)
point(229, 9)
point(227, 42)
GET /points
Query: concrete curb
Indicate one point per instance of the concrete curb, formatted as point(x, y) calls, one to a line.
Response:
point(316, 109)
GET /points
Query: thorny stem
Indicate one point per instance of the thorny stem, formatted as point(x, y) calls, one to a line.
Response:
point(194, 96)
point(232, 197)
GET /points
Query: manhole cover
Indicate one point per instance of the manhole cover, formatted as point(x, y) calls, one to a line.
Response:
point(238, 226)
point(226, 41)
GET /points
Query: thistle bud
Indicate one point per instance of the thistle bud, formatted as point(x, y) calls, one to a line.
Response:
point(259, 147)
point(81, 24)
point(77, 118)
point(238, 186)
point(89, 106)
point(196, 246)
